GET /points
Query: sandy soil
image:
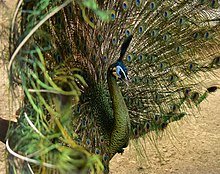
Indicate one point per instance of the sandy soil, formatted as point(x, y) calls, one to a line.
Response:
point(6, 107)
point(191, 145)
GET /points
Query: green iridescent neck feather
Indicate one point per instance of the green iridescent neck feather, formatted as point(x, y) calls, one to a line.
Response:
point(121, 127)
point(112, 117)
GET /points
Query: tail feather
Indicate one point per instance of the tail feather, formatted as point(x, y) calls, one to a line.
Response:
point(172, 44)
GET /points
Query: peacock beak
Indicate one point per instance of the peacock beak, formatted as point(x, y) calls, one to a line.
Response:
point(115, 74)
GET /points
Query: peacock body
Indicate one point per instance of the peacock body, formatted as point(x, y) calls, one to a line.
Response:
point(163, 46)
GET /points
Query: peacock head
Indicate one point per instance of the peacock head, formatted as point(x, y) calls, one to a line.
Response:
point(119, 71)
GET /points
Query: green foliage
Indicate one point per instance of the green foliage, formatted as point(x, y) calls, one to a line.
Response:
point(54, 143)
point(44, 133)
point(91, 4)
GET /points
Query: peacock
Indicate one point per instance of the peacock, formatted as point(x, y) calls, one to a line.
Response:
point(109, 70)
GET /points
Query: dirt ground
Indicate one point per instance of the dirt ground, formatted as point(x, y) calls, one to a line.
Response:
point(192, 146)
point(189, 146)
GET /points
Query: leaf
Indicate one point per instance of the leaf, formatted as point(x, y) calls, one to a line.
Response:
point(91, 4)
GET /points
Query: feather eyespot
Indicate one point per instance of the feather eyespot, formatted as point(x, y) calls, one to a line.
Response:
point(140, 57)
point(105, 157)
point(152, 5)
point(135, 131)
point(113, 15)
point(196, 35)
point(97, 151)
point(114, 40)
point(125, 5)
point(154, 33)
point(194, 97)
point(88, 142)
point(216, 61)
point(214, 4)
point(78, 109)
point(206, 35)
point(140, 29)
point(172, 78)
point(181, 21)
point(92, 19)
point(138, 3)
point(147, 126)
point(127, 32)
point(100, 38)
point(186, 92)
point(58, 58)
point(129, 58)
point(78, 141)
point(179, 49)
point(191, 66)
point(161, 65)
point(165, 14)
point(174, 107)
point(167, 37)
point(94, 58)
point(104, 58)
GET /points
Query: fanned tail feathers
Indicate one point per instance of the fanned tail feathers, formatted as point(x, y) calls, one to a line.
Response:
point(173, 44)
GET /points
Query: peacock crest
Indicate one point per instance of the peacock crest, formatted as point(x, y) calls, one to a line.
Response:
point(112, 70)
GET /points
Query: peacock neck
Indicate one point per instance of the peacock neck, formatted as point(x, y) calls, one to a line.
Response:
point(121, 127)
point(113, 120)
